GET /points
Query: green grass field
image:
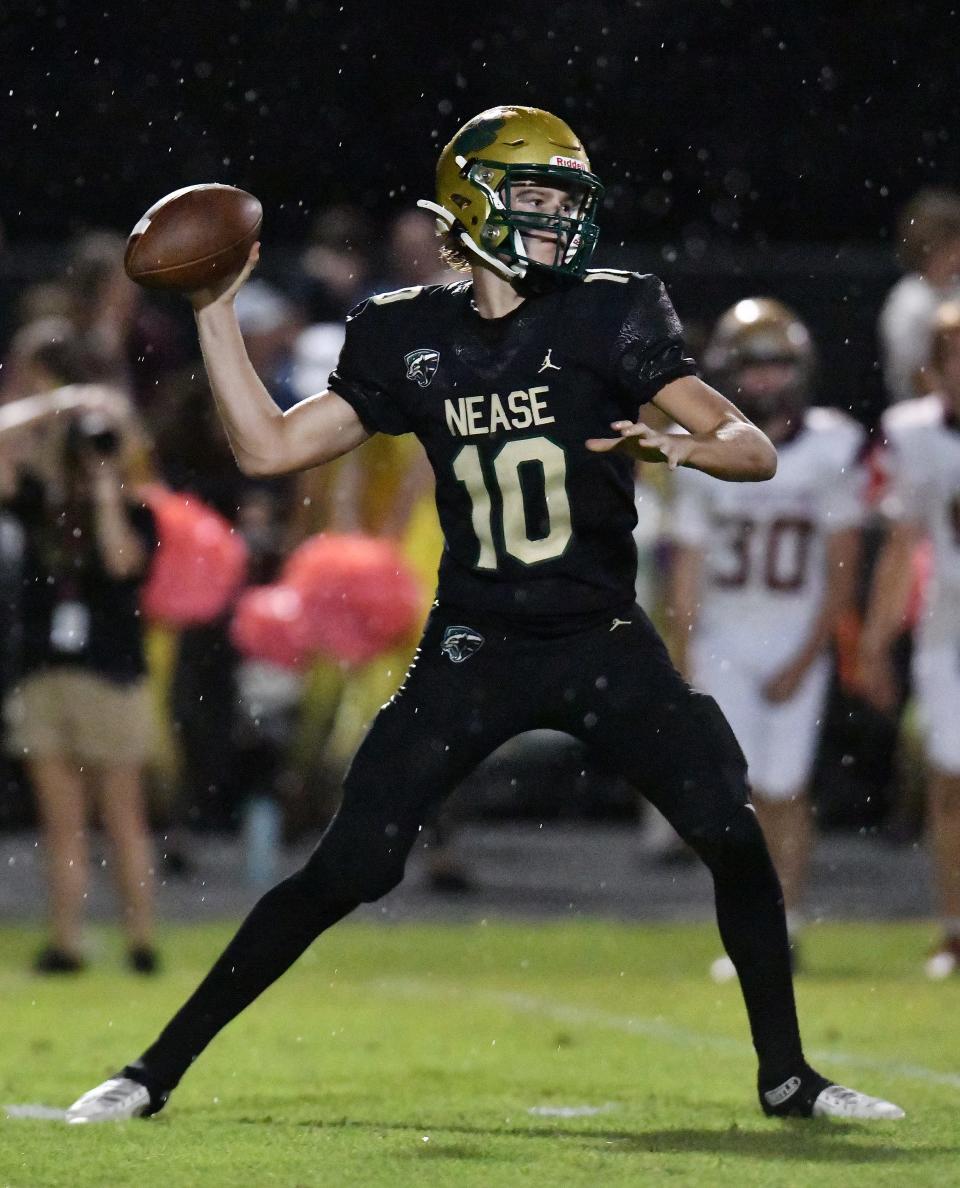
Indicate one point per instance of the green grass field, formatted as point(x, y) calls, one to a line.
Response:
point(433, 1054)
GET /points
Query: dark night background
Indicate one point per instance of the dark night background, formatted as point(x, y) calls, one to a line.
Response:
point(728, 118)
point(747, 145)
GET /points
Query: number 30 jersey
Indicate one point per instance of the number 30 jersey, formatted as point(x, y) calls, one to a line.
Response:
point(922, 462)
point(764, 544)
point(535, 525)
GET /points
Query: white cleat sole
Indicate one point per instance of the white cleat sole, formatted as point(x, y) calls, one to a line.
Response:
point(940, 966)
point(723, 970)
point(116, 1100)
point(837, 1102)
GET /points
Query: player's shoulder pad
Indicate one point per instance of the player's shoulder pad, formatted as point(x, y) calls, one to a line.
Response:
point(400, 298)
point(631, 295)
point(611, 276)
point(624, 285)
point(912, 418)
point(838, 434)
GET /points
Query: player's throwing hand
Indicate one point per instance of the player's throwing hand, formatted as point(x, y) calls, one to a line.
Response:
point(225, 292)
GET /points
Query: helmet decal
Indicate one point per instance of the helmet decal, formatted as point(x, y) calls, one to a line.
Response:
point(476, 136)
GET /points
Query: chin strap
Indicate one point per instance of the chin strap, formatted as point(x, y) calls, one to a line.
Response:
point(450, 224)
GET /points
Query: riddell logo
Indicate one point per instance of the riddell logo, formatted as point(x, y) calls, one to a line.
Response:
point(568, 163)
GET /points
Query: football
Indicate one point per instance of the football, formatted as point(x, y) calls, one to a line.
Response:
point(193, 238)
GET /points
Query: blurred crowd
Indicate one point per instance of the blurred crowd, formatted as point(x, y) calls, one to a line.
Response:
point(159, 731)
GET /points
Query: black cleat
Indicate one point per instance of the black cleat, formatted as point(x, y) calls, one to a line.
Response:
point(143, 959)
point(52, 960)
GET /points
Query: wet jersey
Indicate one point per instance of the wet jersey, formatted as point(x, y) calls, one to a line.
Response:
point(764, 544)
point(922, 460)
point(534, 524)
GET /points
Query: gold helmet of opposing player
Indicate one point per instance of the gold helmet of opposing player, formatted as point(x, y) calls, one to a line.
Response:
point(762, 354)
point(477, 172)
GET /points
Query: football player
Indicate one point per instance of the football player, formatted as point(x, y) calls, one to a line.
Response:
point(922, 501)
point(523, 382)
point(762, 574)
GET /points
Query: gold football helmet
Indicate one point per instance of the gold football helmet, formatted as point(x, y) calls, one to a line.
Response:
point(759, 330)
point(481, 165)
point(752, 333)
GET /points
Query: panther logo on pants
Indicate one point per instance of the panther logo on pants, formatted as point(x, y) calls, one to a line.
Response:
point(459, 643)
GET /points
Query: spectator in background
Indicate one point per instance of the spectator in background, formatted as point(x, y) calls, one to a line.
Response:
point(315, 355)
point(138, 343)
point(79, 716)
point(412, 254)
point(194, 457)
point(50, 353)
point(923, 503)
point(335, 268)
point(929, 249)
point(11, 577)
point(45, 354)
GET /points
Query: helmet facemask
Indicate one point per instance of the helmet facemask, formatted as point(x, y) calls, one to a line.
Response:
point(574, 235)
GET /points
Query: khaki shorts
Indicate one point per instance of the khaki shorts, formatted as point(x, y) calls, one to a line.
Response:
point(72, 714)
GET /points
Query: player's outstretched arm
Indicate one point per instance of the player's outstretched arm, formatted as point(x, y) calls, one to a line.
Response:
point(264, 440)
point(720, 440)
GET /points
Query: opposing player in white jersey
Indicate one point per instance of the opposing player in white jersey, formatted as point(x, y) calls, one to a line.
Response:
point(922, 460)
point(761, 576)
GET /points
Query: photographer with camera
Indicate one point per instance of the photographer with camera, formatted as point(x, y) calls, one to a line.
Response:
point(79, 716)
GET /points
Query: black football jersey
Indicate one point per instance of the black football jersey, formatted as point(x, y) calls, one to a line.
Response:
point(535, 525)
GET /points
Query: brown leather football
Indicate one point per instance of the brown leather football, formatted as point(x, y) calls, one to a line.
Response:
point(193, 238)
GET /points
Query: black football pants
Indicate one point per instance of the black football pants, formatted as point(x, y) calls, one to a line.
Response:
point(612, 686)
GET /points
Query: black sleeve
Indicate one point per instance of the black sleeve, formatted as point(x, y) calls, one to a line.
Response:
point(359, 376)
point(649, 350)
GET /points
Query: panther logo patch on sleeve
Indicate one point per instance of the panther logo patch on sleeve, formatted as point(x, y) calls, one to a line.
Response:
point(460, 643)
point(422, 365)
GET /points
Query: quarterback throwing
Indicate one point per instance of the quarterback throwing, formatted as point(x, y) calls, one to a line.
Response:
point(535, 497)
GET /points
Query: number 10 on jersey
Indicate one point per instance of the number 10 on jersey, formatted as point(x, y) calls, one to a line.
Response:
point(539, 452)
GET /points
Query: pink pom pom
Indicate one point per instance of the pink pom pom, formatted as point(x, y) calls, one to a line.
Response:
point(200, 562)
point(269, 624)
point(361, 598)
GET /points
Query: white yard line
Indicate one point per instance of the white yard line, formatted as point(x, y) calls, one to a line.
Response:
point(560, 1012)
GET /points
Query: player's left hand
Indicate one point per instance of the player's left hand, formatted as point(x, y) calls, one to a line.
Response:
point(784, 684)
point(645, 444)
